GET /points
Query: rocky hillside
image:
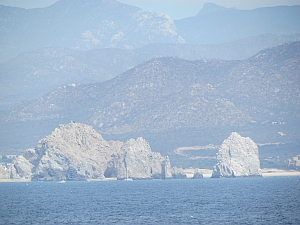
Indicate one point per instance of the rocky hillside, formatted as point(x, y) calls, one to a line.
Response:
point(143, 98)
point(83, 24)
point(34, 74)
point(215, 24)
point(174, 95)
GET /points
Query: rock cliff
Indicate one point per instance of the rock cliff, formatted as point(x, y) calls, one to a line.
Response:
point(18, 168)
point(237, 157)
point(72, 152)
point(76, 151)
point(137, 161)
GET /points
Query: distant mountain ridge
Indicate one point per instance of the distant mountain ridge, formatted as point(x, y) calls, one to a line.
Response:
point(211, 8)
point(94, 24)
point(169, 94)
point(33, 74)
point(83, 24)
point(219, 25)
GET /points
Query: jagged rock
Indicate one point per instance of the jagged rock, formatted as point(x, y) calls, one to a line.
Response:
point(197, 174)
point(17, 168)
point(4, 173)
point(237, 157)
point(178, 173)
point(166, 169)
point(9, 172)
point(72, 152)
point(76, 151)
point(137, 161)
point(22, 167)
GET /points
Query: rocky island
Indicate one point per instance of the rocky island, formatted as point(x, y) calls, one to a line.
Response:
point(76, 151)
point(237, 157)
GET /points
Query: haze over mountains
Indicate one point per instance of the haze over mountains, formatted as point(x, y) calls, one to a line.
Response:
point(215, 24)
point(98, 24)
point(25, 76)
point(128, 72)
point(84, 25)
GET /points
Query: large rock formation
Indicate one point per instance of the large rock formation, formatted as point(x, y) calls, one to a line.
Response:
point(237, 157)
point(76, 151)
point(72, 152)
point(136, 160)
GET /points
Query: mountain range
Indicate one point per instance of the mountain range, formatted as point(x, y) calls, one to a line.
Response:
point(25, 76)
point(129, 72)
point(94, 24)
point(259, 95)
point(215, 24)
point(83, 24)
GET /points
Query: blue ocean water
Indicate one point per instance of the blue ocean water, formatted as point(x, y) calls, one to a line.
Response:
point(204, 201)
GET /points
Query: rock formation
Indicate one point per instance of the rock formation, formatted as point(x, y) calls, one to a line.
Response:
point(76, 151)
point(137, 161)
point(18, 168)
point(237, 157)
point(22, 167)
point(72, 152)
point(198, 174)
point(3, 173)
point(166, 169)
point(178, 173)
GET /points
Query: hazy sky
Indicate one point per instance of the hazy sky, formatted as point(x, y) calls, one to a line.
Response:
point(175, 8)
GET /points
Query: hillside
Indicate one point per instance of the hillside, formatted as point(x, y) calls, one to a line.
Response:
point(180, 99)
point(34, 74)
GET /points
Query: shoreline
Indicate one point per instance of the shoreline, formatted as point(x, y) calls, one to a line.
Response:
point(271, 172)
point(207, 173)
point(266, 172)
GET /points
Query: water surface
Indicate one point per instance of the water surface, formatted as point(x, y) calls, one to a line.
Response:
point(204, 201)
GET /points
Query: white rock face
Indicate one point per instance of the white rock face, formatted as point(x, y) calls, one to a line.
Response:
point(137, 161)
point(22, 167)
point(178, 173)
point(73, 151)
point(19, 168)
point(237, 157)
point(4, 174)
point(76, 151)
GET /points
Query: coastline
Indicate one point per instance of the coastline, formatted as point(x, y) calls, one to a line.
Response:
point(266, 172)
point(207, 173)
point(272, 172)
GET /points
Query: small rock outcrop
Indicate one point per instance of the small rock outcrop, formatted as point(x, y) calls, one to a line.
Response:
point(22, 167)
point(197, 174)
point(237, 157)
point(3, 173)
point(18, 168)
point(166, 169)
point(178, 173)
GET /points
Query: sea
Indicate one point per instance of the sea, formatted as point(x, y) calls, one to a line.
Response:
point(271, 200)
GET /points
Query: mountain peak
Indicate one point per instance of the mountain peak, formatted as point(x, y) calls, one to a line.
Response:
point(211, 7)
